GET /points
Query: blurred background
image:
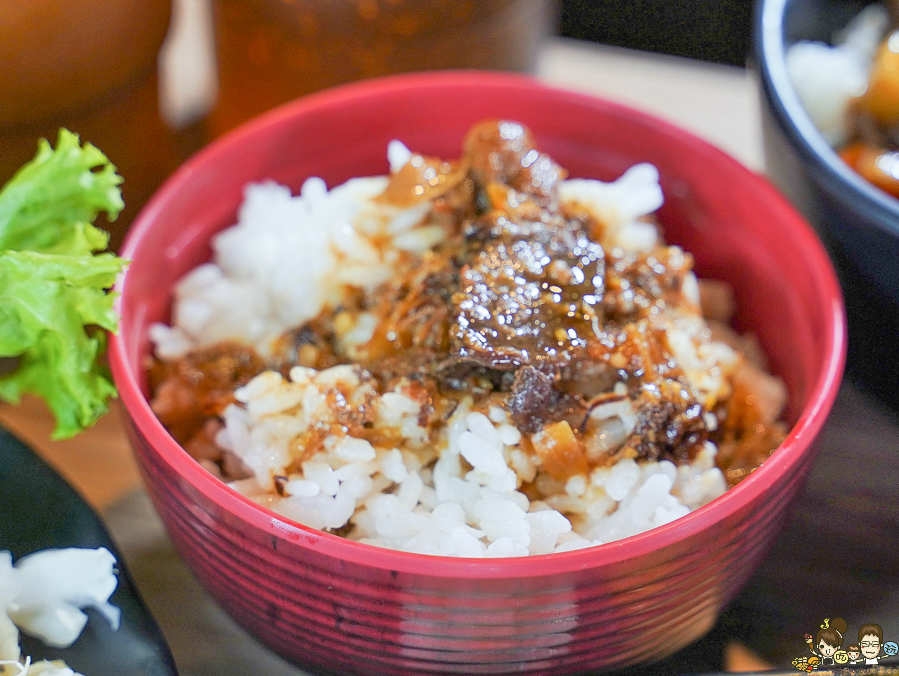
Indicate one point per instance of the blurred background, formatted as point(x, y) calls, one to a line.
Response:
point(152, 81)
point(708, 30)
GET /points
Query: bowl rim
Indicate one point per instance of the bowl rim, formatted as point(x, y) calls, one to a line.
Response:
point(811, 418)
point(828, 169)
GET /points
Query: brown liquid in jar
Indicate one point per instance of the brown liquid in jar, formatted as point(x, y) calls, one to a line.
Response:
point(271, 51)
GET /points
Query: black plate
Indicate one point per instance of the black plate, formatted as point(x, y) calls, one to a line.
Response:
point(39, 510)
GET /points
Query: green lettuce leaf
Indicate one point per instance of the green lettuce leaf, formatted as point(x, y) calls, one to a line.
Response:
point(54, 291)
point(50, 203)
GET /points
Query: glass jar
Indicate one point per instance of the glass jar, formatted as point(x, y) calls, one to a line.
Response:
point(271, 51)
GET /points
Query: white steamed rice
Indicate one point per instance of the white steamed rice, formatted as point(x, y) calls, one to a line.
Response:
point(456, 494)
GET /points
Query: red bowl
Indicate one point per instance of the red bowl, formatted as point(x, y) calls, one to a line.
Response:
point(332, 604)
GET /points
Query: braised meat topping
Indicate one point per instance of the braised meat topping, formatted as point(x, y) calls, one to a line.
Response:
point(189, 391)
point(503, 153)
point(413, 311)
point(639, 283)
point(517, 306)
point(528, 295)
point(533, 394)
point(670, 423)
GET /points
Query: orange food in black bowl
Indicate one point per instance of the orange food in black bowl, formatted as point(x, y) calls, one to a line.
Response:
point(857, 219)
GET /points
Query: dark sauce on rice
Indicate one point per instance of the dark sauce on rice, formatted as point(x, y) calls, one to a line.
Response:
point(521, 307)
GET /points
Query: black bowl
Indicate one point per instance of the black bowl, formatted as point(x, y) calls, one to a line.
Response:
point(39, 510)
point(858, 222)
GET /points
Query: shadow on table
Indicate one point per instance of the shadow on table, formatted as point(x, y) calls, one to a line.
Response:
point(204, 639)
point(839, 555)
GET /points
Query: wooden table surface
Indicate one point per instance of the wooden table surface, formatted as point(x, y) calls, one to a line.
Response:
point(837, 557)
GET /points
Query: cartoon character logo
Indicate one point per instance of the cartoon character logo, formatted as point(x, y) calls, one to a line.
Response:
point(806, 664)
point(826, 647)
point(870, 641)
point(829, 641)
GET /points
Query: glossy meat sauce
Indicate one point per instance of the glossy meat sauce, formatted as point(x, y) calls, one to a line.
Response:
point(520, 306)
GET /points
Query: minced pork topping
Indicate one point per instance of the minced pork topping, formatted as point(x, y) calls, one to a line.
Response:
point(499, 346)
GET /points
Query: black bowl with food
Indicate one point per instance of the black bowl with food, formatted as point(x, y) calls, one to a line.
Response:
point(858, 221)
